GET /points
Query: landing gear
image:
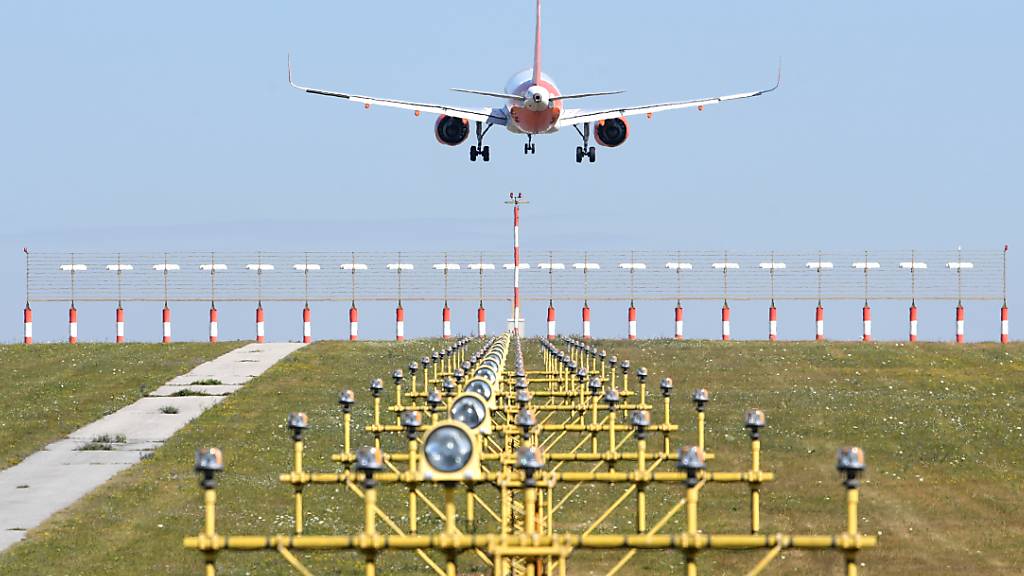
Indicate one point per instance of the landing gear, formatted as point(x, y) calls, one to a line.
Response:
point(586, 150)
point(529, 147)
point(480, 150)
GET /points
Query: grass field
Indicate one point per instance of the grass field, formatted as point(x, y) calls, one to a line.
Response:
point(50, 390)
point(941, 424)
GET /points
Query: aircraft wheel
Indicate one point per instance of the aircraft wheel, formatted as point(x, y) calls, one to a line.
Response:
point(486, 153)
point(579, 154)
point(592, 154)
point(472, 153)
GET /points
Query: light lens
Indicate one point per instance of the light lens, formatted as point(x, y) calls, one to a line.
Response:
point(480, 387)
point(448, 449)
point(470, 411)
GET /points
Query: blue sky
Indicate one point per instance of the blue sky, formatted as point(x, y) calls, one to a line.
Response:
point(136, 126)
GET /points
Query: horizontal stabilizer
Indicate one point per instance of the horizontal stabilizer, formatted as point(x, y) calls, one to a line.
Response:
point(486, 93)
point(586, 95)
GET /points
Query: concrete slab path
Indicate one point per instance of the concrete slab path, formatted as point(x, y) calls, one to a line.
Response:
point(63, 472)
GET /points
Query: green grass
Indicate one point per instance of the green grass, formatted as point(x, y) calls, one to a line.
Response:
point(941, 426)
point(50, 390)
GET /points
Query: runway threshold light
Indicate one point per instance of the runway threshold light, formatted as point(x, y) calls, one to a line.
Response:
point(450, 454)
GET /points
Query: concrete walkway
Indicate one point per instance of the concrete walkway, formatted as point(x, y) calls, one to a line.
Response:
point(61, 473)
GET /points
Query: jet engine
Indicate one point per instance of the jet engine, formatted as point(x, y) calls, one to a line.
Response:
point(451, 131)
point(612, 132)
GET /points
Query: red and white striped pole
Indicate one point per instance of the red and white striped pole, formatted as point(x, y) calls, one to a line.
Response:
point(119, 323)
point(725, 322)
point(307, 325)
point(28, 324)
point(166, 321)
point(819, 323)
point(913, 322)
point(1004, 325)
point(353, 323)
point(73, 325)
point(959, 323)
point(481, 321)
point(867, 323)
point(213, 324)
point(586, 322)
point(261, 336)
point(515, 273)
point(399, 323)
point(679, 322)
point(552, 333)
point(632, 321)
point(773, 323)
point(446, 322)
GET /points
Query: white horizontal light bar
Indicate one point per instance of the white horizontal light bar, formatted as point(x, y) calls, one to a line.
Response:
point(120, 267)
point(260, 267)
point(522, 266)
point(447, 267)
point(820, 265)
point(866, 265)
point(633, 266)
point(166, 267)
point(551, 266)
point(772, 265)
point(355, 266)
point(213, 267)
point(74, 267)
point(483, 266)
point(725, 266)
point(912, 265)
point(960, 265)
point(678, 265)
point(306, 267)
point(587, 266)
point(400, 266)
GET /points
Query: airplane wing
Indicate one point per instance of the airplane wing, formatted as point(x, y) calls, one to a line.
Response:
point(573, 117)
point(486, 115)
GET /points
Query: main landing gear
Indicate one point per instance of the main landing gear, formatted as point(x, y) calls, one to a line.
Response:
point(586, 150)
point(480, 150)
point(529, 147)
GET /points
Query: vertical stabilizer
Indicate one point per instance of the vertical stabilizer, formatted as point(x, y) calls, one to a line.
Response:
point(536, 50)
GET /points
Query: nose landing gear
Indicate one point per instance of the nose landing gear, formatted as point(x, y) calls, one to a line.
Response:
point(529, 147)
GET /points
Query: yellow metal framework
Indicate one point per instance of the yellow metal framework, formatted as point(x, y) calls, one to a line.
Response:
point(580, 394)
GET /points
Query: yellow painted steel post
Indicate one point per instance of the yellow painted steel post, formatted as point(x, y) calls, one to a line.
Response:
point(700, 430)
point(376, 422)
point(668, 422)
point(210, 528)
point(449, 524)
point(370, 514)
point(611, 434)
point(625, 380)
point(531, 503)
point(641, 488)
point(593, 420)
point(852, 499)
point(691, 527)
point(470, 509)
point(412, 487)
point(297, 469)
point(755, 488)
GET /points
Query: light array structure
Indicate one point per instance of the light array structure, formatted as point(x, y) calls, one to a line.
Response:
point(73, 269)
point(476, 461)
point(724, 267)
point(307, 320)
point(481, 312)
point(632, 267)
point(866, 266)
point(959, 266)
point(446, 312)
point(550, 266)
point(259, 268)
point(213, 267)
point(773, 320)
point(165, 268)
point(119, 269)
point(353, 312)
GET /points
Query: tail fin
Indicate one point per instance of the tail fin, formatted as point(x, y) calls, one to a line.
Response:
point(536, 50)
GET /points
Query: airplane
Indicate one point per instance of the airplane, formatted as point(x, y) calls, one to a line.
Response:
point(533, 106)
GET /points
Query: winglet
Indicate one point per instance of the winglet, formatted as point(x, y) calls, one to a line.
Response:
point(294, 85)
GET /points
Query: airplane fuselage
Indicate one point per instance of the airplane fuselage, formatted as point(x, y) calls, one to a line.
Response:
point(537, 113)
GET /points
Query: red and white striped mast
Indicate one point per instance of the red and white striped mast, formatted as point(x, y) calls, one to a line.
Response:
point(28, 306)
point(398, 268)
point(632, 266)
point(307, 315)
point(119, 269)
point(913, 266)
point(551, 266)
point(819, 312)
point(72, 311)
point(586, 266)
point(959, 266)
point(726, 312)
point(773, 318)
point(679, 267)
point(353, 312)
point(865, 266)
point(213, 267)
point(165, 318)
point(446, 312)
point(481, 312)
point(260, 268)
point(1004, 312)
point(515, 200)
